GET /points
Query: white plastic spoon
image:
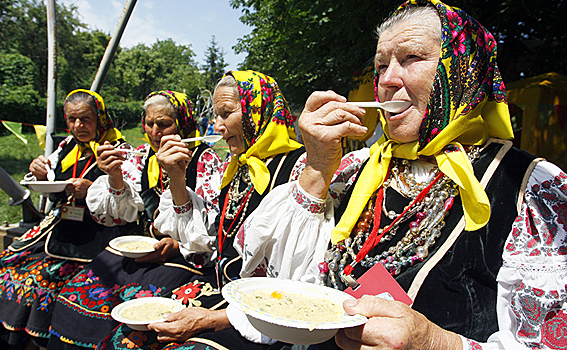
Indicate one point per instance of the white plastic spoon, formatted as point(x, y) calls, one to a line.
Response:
point(208, 138)
point(390, 106)
point(134, 152)
point(50, 174)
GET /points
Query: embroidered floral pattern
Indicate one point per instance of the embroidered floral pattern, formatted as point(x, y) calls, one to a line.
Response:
point(88, 297)
point(195, 293)
point(116, 192)
point(183, 209)
point(190, 293)
point(472, 345)
point(210, 165)
point(306, 202)
point(33, 280)
point(542, 210)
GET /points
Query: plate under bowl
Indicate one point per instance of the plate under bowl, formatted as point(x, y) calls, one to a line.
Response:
point(115, 244)
point(116, 313)
point(285, 329)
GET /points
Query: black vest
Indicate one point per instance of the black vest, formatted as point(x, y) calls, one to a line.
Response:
point(459, 294)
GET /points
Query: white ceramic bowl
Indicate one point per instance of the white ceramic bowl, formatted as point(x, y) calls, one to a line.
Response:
point(115, 244)
point(45, 186)
point(143, 325)
point(285, 329)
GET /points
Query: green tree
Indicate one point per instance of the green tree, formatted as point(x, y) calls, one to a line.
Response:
point(19, 101)
point(165, 65)
point(23, 27)
point(215, 65)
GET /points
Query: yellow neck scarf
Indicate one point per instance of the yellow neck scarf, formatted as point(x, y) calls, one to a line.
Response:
point(266, 115)
point(105, 131)
point(471, 117)
point(186, 128)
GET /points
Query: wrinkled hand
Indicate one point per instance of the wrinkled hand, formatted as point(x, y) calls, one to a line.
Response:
point(325, 120)
point(110, 161)
point(38, 168)
point(174, 156)
point(393, 325)
point(78, 187)
point(188, 322)
point(165, 249)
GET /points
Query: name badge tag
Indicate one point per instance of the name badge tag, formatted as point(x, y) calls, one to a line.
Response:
point(72, 212)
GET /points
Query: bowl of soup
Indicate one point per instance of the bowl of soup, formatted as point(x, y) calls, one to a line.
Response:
point(133, 246)
point(139, 313)
point(291, 311)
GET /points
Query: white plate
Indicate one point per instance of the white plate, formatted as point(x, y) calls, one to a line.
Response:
point(45, 186)
point(116, 313)
point(285, 329)
point(115, 244)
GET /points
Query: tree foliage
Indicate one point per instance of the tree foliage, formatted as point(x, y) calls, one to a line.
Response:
point(215, 65)
point(321, 44)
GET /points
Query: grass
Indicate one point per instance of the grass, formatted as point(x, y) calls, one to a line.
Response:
point(15, 157)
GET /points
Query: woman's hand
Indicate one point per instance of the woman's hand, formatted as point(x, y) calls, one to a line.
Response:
point(165, 249)
point(174, 156)
point(325, 120)
point(188, 322)
point(38, 168)
point(110, 160)
point(78, 187)
point(393, 325)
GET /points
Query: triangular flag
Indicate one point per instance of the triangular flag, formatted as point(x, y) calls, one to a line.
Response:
point(16, 129)
point(40, 133)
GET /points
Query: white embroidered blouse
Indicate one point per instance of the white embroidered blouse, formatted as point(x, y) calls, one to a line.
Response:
point(532, 295)
point(111, 206)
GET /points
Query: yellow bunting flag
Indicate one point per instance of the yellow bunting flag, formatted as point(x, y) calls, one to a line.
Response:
point(40, 133)
point(16, 129)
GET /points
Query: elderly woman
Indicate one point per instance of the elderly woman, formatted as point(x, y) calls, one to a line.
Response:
point(253, 118)
point(34, 269)
point(82, 313)
point(471, 228)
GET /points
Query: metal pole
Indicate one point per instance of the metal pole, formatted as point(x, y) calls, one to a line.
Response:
point(51, 77)
point(112, 46)
point(19, 196)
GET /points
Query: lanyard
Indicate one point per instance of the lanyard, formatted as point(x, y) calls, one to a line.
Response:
point(86, 166)
point(222, 237)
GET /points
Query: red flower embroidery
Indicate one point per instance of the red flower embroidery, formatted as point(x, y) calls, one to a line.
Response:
point(554, 330)
point(188, 291)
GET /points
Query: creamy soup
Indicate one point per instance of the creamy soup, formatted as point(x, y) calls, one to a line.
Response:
point(147, 312)
point(135, 246)
point(294, 306)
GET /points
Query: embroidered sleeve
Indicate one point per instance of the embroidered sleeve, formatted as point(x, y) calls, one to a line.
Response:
point(209, 177)
point(346, 174)
point(193, 223)
point(133, 165)
point(531, 305)
point(117, 206)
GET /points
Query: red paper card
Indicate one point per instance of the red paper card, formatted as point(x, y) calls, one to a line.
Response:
point(378, 281)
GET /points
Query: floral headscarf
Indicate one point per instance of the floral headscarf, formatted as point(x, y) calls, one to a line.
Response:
point(185, 122)
point(105, 130)
point(467, 106)
point(267, 125)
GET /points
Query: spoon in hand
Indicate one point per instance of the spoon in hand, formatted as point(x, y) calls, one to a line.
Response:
point(50, 174)
point(208, 138)
point(390, 106)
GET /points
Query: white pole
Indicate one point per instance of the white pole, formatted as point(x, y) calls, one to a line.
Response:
point(51, 77)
